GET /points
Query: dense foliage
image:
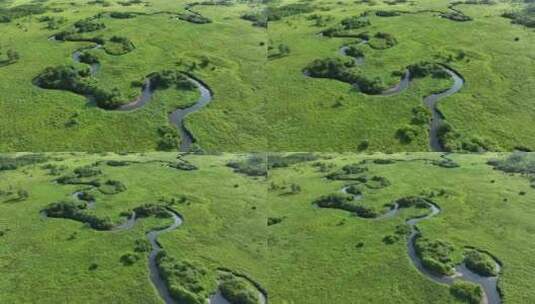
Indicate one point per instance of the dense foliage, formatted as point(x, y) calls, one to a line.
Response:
point(74, 211)
point(339, 201)
point(237, 290)
point(435, 255)
point(480, 263)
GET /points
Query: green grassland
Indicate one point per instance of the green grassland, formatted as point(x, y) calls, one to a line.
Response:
point(34, 119)
point(343, 258)
point(252, 55)
point(494, 56)
point(305, 254)
point(49, 260)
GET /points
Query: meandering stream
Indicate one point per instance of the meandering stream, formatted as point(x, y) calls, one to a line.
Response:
point(488, 284)
point(430, 101)
point(176, 118)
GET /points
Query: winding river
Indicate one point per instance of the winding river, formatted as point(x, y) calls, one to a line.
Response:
point(430, 101)
point(176, 117)
point(488, 284)
point(152, 236)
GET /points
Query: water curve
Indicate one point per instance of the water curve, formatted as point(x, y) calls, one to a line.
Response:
point(176, 117)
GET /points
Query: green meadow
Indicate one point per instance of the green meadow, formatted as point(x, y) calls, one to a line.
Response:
point(58, 260)
point(225, 54)
point(260, 221)
point(252, 55)
point(494, 57)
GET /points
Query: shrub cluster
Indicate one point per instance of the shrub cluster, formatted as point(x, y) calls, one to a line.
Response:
point(253, 165)
point(187, 282)
point(435, 255)
point(183, 165)
point(257, 18)
point(335, 68)
point(480, 263)
point(112, 187)
point(148, 210)
point(14, 162)
point(412, 201)
point(19, 11)
point(237, 290)
point(119, 46)
point(424, 69)
point(168, 78)
point(338, 201)
point(168, 138)
point(382, 41)
point(276, 160)
point(87, 25)
point(194, 18)
point(74, 211)
point(274, 13)
point(70, 79)
point(467, 292)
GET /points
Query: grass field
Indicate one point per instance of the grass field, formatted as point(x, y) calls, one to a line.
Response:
point(48, 260)
point(305, 254)
point(492, 109)
point(262, 101)
point(33, 119)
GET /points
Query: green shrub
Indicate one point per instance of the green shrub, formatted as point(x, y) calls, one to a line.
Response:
point(466, 291)
point(129, 258)
point(338, 201)
point(148, 210)
point(435, 255)
point(112, 187)
point(237, 290)
point(167, 78)
point(480, 263)
point(86, 25)
point(187, 282)
point(87, 171)
point(354, 22)
point(407, 134)
point(276, 160)
point(168, 138)
point(253, 165)
point(74, 211)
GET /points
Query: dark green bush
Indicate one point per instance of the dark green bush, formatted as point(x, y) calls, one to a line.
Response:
point(407, 134)
point(480, 263)
point(129, 258)
point(148, 210)
point(338, 201)
point(435, 255)
point(86, 25)
point(168, 138)
point(237, 290)
point(276, 160)
point(87, 171)
point(354, 22)
point(167, 78)
point(466, 291)
point(253, 165)
point(74, 211)
point(187, 282)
